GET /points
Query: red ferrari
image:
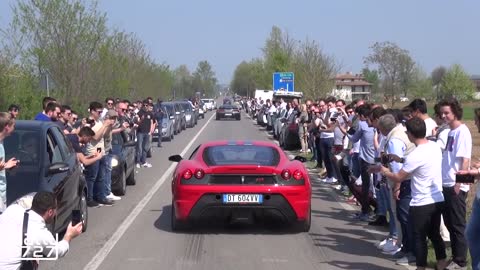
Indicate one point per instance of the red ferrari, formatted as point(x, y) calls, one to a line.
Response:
point(240, 180)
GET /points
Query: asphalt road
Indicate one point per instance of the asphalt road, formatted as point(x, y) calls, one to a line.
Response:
point(135, 233)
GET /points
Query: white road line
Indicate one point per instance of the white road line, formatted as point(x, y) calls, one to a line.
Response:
point(117, 235)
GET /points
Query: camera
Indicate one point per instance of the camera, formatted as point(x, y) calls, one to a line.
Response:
point(384, 159)
point(90, 121)
point(465, 178)
point(76, 217)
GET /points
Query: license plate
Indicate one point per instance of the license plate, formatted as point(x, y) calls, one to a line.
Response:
point(243, 198)
point(228, 114)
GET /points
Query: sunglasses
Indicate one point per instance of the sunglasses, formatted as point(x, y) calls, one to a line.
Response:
point(109, 103)
point(99, 111)
point(75, 118)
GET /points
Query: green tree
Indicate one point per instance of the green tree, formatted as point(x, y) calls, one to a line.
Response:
point(63, 37)
point(278, 53)
point(395, 66)
point(313, 69)
point(204, 79)
point(437, 78)
point(372, 76)
point(457, 83)
point(422, 85)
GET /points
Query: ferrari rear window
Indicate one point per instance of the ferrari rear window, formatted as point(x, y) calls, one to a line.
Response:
point(241, 155)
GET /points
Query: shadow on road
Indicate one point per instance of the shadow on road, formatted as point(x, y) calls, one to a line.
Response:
point(263, 226)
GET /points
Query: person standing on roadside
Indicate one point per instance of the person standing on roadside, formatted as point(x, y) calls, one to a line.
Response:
point(456, 157)
point(144, 130)
point(94, 173)
point(7, 126)
point(423, 167)
point(159, 113)
point(473, 227)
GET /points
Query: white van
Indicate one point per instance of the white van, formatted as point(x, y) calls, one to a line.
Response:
point(209, 103)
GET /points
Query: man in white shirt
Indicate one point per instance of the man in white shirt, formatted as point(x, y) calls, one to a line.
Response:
point(456, 157)
point(423, 167)
point(419, 109)
point(43, 211)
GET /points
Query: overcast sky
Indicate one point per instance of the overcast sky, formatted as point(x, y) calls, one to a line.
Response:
point(225, 32)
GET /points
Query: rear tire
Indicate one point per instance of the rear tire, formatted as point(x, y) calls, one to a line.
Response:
point(177, 225)
point(304, 226)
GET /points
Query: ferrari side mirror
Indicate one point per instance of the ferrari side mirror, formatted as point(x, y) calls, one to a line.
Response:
point(300, 158)
point(175, 158)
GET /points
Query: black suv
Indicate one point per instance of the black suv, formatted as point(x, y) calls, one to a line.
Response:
point(47, 163)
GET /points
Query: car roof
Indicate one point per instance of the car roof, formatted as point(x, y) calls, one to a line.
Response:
point(34, 124)
point(240, 142)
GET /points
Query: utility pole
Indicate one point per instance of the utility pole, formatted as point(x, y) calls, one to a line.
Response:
point(48, 88)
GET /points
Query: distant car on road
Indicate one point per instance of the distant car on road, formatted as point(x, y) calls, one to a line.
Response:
point(240, 180)
point(47, 163)
point(210, 103)
point(228, 111)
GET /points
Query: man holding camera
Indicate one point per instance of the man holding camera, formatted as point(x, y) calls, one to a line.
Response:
point(95, 173)
point(423, 167)
point(398, 144)
point(12, 222)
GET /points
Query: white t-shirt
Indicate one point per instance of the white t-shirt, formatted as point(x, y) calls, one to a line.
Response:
point(424, 164)
point(326, 135)
point(459, 146)
point(430, 124)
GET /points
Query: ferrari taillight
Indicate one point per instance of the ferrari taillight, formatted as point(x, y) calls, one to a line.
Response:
point(286, 174)
point(297, 175)
point(187, 174)
point(199, 173)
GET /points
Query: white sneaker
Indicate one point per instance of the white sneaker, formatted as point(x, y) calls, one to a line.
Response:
point(337, 187)
point(330, 180)
point(382, 243)
point(138, 165)
point(390, 246)
point(113, 197)
point(147, 165)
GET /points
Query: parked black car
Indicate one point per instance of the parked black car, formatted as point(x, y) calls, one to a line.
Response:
point(123, 163)
point(47, 163)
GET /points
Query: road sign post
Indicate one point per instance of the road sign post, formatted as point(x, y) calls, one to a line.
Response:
point(284, 81)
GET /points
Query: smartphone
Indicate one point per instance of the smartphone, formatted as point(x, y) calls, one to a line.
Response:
point(76, 217)
point(465, 178)
point(99, 149)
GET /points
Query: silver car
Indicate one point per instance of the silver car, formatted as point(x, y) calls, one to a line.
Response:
point(168, 127)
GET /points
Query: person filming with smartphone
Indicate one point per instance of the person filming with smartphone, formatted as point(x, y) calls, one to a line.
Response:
point(24, 231)
point(423, 166)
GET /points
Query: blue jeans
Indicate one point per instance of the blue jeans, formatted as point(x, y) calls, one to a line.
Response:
point(326, 145)
point(94, 177)
point(143, 142)
point(355, 165)
point(473, 232)
point(159, 126)
point(384, 206)
point(107, 172)
point(403, 208)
